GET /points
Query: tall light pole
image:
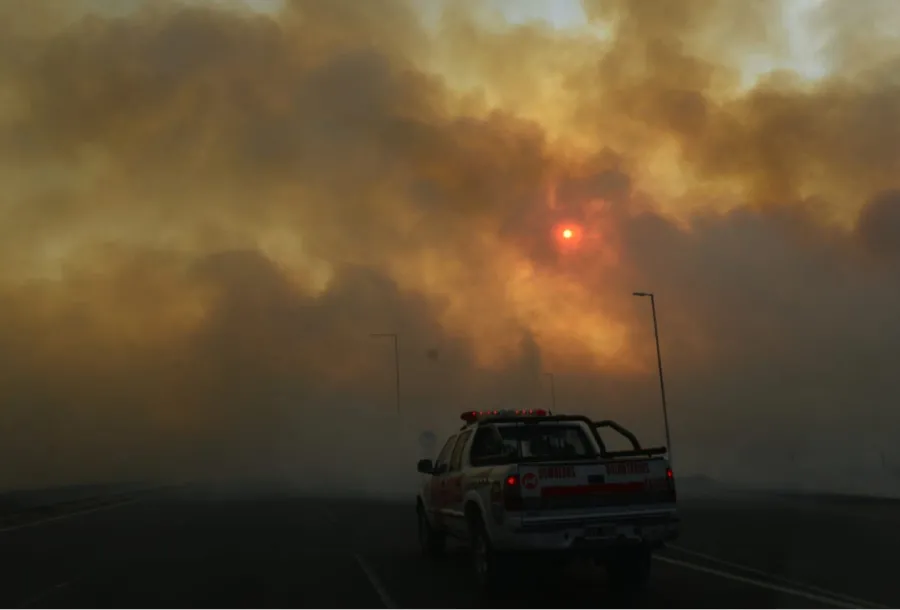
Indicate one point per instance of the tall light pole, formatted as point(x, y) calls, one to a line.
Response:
point(396, 359)
point(662, 383)
point(552, 390)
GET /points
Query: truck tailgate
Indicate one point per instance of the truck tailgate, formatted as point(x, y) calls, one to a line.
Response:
point(599, 483)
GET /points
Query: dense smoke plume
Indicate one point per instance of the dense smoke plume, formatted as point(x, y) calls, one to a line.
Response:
point(208, 207)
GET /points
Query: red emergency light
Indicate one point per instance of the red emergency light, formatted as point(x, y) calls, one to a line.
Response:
point(473, 416)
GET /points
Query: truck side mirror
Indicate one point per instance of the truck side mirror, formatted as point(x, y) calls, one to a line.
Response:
point(425, 467)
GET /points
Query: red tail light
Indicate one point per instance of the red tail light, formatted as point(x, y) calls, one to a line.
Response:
point(669, 474)
point(512, 493)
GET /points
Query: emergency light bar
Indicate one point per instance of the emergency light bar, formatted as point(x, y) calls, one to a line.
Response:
point(473, 416)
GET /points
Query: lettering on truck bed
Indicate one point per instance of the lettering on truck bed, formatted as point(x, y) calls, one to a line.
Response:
point(556, 472)
point(628, 468)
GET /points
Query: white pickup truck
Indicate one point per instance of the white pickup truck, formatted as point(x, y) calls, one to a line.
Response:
point(519, 484)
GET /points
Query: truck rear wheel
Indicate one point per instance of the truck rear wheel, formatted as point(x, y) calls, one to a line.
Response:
point(431, 541)
point(485, 562)
point(629, 571)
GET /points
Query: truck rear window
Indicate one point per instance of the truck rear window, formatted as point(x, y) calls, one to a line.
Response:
point(549, 441)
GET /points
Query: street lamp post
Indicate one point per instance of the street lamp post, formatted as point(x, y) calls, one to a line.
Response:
point(396, 360)
point(662, 383)
point(552, 390)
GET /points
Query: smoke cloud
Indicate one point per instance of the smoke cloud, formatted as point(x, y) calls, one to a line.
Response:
point(209, 207)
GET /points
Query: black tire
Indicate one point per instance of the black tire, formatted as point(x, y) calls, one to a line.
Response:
point(432, 542)
point(486, 565)
point(629, 572)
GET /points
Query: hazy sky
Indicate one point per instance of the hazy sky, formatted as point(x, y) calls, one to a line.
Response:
point(207, 208)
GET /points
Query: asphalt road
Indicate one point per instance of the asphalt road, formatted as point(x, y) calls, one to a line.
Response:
point(205, 547)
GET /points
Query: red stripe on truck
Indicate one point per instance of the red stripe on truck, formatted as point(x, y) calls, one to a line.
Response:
point(580, 490)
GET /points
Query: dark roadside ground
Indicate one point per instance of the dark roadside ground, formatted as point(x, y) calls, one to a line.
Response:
point(20, 507)
point(204, 546)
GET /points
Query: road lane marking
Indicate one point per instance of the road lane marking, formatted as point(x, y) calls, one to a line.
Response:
point(375, 582)
point(819, 599)
point(13, 528)
point(787, 581)
point(43, 595)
